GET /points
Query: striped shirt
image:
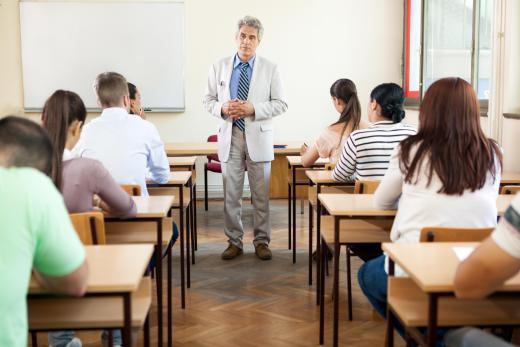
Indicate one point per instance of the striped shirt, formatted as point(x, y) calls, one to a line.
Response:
point(366, 153)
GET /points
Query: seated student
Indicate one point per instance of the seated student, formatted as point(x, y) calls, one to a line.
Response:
point(79, 179)
point(366, 152)
point(128, 146)
point(446, 175)
point(331, 140)
point(486, 269)
point(35, 228)
point(135, 101)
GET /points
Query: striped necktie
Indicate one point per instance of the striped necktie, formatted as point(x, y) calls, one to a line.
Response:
point(243, 90)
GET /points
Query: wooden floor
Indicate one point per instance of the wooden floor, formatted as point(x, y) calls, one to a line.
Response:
point(249, 302)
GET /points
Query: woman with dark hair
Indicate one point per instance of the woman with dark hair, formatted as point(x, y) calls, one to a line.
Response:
point(448, 174)
point(135, 101)
point(79, 179)
point(366, 152)
point(330, 142)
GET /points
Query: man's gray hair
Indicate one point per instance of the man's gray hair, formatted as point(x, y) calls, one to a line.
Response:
point(251, 22)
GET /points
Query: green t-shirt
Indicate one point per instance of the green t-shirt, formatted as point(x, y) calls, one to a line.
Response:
point(35, 231)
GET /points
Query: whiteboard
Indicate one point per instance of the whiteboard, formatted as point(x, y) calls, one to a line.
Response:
point(66, 44)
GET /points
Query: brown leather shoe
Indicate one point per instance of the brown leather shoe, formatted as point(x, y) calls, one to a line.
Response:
point(263, 252)
point(231, 252)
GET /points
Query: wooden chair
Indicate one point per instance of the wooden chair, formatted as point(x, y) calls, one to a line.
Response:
point(365, 187)
point(509, 190)
point(439, 234)
point(212, 165)
point(90, 227)
point(132, 189)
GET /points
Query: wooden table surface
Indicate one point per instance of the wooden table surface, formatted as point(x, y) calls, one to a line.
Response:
point(152, 206)
point(182, 161)
point(112, 268)
point(320, 176)
point(205, 148)
point(432, 266)
point(296, 160)
point(363, 205)
point(510, 178)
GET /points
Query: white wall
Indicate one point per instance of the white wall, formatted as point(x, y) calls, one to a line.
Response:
point(314, 42)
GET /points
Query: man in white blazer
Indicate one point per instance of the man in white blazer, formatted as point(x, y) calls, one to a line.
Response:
point(245, 92)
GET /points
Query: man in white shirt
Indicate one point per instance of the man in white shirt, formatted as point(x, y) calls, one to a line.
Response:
point(128, 146)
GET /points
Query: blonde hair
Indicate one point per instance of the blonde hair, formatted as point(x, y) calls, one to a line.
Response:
point(110, 88)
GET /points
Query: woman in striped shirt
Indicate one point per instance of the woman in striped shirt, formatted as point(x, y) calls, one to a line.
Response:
point(366, 153)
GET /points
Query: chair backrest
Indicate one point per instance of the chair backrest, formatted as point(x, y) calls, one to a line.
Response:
point(439, 234)
point(213, 157)
point(330, 166)
point(90, 227)
point(366, 187)
point(508, 190)
point(132, 189)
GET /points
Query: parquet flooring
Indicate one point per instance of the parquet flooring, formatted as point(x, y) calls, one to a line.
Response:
point(248, 302)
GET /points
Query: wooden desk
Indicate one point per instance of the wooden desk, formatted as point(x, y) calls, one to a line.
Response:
point(178, 180)
point(432, 266)
point(320, 179)
point(182, 162)
point(295, 166)
point(510, 178)
point(361, 206)
point(114, 270)
point(153, 209)
point(278, 165)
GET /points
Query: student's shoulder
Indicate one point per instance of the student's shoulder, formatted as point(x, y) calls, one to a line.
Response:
point(29, 182)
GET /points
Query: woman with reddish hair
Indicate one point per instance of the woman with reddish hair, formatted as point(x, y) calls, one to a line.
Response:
point(447, 175)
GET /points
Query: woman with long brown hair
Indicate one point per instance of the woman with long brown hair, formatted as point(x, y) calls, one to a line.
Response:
point(329, 144)
point(448, 174)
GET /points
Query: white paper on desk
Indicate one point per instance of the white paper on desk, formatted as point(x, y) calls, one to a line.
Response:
point(463, 252)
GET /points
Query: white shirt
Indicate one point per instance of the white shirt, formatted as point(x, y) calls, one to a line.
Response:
point(507, 234)
point(128, 147)
point(419, 205)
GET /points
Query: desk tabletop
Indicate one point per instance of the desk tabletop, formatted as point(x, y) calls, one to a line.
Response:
point(176, 149)
point(363, 205)
point(112, 268)
point(296, 160)
point(182, 161)
point(152, 206)
point(510, 178)
point(321, 176)
point(179, 177)
point(432, 265)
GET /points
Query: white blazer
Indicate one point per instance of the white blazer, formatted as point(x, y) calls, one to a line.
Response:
point(266, 95)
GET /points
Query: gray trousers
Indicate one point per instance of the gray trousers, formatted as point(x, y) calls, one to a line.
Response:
point(233, 173)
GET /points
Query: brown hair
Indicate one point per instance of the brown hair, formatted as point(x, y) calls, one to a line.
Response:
point(451, 138)
point(23, 143)
point(61, 109)
point(110, 88)
point(345, 90)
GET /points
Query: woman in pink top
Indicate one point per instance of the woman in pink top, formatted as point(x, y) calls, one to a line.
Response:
point(330, 142)
point(79, 179)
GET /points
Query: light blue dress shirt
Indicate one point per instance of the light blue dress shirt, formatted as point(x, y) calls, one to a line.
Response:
point(235, 75)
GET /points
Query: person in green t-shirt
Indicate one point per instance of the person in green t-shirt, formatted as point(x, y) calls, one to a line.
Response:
point(35, 229)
